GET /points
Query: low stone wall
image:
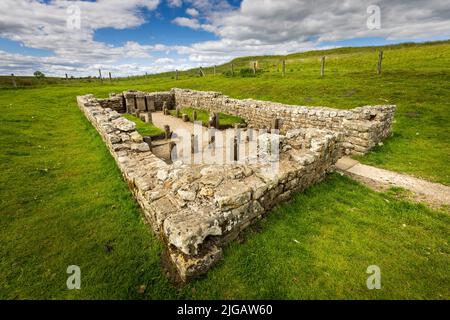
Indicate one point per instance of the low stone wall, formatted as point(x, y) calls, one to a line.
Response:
point(114, 102)
point(363, 127)
point(197, 208)
point(137, 101)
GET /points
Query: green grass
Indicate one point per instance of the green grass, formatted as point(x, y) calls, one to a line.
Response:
point(63, 200)
point(144, 129)
point(225, 120)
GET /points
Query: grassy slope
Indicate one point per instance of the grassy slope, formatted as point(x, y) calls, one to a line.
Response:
point(225, 120)
point(63, 202)
point(144, 129)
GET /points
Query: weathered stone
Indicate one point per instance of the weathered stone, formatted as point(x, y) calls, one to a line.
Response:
point(124, 124)
point(140, 147)
point(194, 208)
point(136, 137)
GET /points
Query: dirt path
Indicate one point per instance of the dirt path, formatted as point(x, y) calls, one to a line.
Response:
point(379, 179)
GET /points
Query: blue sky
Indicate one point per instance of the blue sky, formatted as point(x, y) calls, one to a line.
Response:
point(137, 36)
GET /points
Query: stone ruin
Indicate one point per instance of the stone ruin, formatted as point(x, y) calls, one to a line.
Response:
point(197, 208)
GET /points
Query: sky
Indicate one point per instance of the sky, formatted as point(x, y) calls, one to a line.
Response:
point(134, 37)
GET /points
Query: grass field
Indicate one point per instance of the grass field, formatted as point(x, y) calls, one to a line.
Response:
point(225, 120)
point(63, 200)
point(144, 129)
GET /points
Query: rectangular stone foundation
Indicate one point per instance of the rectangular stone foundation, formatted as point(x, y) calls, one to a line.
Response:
point(197, 208)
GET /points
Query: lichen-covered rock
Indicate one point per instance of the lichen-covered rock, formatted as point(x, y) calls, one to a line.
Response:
point(123, 124)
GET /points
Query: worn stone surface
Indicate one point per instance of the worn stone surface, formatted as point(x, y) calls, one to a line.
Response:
point(197, 208)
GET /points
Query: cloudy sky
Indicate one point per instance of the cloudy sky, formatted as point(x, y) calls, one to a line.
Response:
point(137, 36)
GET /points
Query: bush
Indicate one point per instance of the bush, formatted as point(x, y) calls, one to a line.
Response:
point(39, 74)
point(228, 73)
point(246, 72)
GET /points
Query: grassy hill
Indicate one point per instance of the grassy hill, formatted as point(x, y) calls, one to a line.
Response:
point(63, 200)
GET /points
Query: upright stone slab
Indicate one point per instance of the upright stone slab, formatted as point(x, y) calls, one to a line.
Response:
point(130, 101)
point(140, 102)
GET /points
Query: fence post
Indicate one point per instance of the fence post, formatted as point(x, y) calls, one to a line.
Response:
point(322, 68)
point(254, 67)
point(13, 79)
point(232, 69)
point(202, 74)
point(283, 68)
point(67, 77)
point(100, 74)
point(194, 115)
point(110, 78)
point(380, 61)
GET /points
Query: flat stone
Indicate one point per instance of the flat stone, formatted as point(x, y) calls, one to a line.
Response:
point(232, 195)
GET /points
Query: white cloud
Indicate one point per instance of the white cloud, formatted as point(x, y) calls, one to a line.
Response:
point(273, 26)
point(192, 12)
point(255, 27)
point(175, 3)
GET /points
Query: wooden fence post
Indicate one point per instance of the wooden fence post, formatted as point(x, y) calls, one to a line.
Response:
point(283, 68)
point(110, 78)
point(67, 77)
point(13, 80)
point(322, 68)
point(232, 69)
point(380, 61)
point(254, 67)
point(202, 74)
point(100, 74)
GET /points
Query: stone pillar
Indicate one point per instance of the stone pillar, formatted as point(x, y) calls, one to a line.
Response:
point(150, 101)
point(172, 151)
point(140, 102)
point(130, 102)
point(194, 144)
point(276, 124)
point(165, 109)
point(235, 149)
point(217, 124)
point(167, 133)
